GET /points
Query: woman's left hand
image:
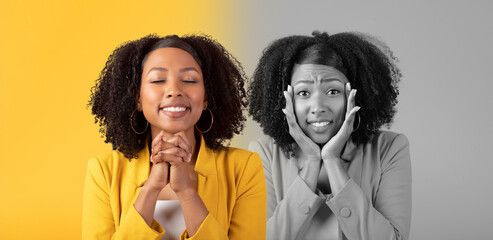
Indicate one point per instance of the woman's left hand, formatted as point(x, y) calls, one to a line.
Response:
point(331, 151)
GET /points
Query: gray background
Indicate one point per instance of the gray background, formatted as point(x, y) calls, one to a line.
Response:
point(444, 108)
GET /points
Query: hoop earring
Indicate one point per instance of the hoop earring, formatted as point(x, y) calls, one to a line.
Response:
point(359, 122)
point(208, 129)
point(132, 124)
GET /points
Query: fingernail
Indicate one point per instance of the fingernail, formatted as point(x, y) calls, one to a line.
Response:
point(289, 87)
point(358, 108)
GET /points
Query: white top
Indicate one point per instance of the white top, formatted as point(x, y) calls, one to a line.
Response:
point(170, 215)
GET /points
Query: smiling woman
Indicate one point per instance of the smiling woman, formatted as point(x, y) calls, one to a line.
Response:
point(170, 72)
point(169, 177)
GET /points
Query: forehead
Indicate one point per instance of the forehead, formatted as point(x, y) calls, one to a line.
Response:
point(316, 72)
point(170, 57)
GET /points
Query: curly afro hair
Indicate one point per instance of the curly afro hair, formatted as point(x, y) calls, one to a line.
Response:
point(113, 98)
point(366, 61)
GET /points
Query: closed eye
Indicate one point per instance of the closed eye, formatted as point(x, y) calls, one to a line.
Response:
point(189, 81)
point(158, 81)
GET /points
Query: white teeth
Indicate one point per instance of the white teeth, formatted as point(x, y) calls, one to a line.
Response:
point(320, 124)
point(174, 109)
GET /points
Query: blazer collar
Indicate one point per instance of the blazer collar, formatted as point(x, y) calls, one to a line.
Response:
point(206, 163)
point(350, 151)
point(142, 165)
point(352, 155)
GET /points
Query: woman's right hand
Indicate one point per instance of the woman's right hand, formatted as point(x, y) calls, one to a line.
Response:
point(310, 151)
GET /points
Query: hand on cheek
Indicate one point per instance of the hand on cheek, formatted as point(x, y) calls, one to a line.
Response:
point(332, 150)
point(310, 149)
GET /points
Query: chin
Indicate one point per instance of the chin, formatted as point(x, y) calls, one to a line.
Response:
point(321, 139)
point(173, 129)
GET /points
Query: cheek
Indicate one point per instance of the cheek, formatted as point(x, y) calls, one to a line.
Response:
point(300, 110)
point(340, 109)
point(197, 98)
point(150, 100)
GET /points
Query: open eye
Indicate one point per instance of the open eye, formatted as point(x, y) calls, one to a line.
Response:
point(303, 93)
point(333, 92)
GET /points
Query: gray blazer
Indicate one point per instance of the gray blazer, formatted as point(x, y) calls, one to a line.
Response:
point(374, 204)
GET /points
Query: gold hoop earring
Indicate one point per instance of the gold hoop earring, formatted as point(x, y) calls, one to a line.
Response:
point(359, 122)
point(212, 121)
point(132, 124)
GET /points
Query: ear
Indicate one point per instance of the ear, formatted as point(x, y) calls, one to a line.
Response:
point(139, 104)
point(205, 104)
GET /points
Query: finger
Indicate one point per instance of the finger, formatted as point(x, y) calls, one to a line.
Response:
point(160, 146)
point(348, 123)
point(288, 111)
point(288, 95)
point(170, 156)
point(176, 151)
point(290, 120)
point(156, 139)
point(162, 136)
point(351, 103)
point(183, 142)
point(350, 96)
point(179, 142)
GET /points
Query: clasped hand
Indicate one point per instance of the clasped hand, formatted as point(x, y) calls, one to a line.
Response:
point(170, 155)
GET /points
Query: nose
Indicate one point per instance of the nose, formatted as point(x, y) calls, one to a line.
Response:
point(318, 105)
point(173, 88)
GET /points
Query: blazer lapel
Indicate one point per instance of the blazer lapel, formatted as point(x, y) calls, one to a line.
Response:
point(207, 185)
point(142, 166)
point(353, 157)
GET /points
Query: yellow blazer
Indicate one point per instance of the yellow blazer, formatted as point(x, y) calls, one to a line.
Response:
point(230, 182)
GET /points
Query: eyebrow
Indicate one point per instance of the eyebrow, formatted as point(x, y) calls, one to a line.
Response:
point(323, 79)
point(181, 70)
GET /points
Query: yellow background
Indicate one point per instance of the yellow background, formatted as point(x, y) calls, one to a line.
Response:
point(51, 53)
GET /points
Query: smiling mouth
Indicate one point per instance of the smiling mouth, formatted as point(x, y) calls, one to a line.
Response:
point(174, 109)
point(320, 124)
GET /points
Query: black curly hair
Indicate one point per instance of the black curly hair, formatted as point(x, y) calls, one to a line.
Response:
point(366, 61)
point(113, 98)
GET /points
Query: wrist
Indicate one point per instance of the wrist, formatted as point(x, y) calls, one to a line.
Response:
point(150, 191)
point(332, 162)
point(187, 195)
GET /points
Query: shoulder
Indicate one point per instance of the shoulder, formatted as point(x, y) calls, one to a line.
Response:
point(387, 140)
point(392, 147)
point(107, 162)
point(235, 156)
point(236, 163)
point(264, 146)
